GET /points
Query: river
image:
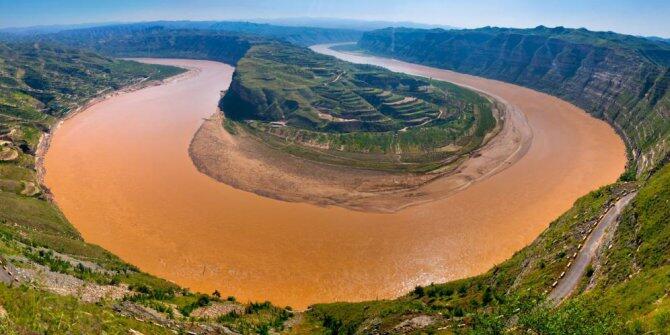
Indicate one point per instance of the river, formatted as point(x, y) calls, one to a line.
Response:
point(121, 173)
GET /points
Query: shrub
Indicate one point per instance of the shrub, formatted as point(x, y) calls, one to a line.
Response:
point(418, 291)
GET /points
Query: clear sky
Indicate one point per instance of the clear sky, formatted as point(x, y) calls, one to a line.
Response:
point(639, 17)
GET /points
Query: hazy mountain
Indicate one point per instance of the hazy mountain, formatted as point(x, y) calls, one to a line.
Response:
point(48, 29)
point(337, 23)
point(659, 39)
point(297, 35)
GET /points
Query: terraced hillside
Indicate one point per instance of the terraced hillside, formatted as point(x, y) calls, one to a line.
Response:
point(621, 79)
point(329, 110)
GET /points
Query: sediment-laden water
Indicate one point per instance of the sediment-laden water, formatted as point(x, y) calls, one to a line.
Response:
point(121, 173)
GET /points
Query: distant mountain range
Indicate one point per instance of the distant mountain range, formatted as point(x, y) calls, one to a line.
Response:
point(49, 29)
point(327, 23)
point(659, 39)
point(337, 23)
point(84, 36)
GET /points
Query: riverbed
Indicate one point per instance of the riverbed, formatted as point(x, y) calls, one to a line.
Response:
point(121, 173)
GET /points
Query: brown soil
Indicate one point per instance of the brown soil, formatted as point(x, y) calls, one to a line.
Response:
point(8, 154)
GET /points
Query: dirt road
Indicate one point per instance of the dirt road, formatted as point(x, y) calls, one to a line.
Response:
point(570, 280)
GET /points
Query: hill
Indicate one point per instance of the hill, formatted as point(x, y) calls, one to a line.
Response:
point(619, 78)
point(156, 41)
point(356, 115)
point(224, 41)
point(336, 23)
point(87, 34)
point(659, 39)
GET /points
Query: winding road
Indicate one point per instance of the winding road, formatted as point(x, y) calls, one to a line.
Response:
point(570, 280)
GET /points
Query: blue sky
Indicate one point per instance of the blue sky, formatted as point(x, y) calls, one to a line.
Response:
point(641, 17)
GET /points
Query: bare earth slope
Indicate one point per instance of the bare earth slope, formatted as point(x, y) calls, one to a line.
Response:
point(121, 173)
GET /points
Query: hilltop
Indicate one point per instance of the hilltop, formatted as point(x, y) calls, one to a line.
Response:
point(361, 116)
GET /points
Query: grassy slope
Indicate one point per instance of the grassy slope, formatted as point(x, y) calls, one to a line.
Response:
point(635, 280)
point(39, 83)
point(627, 293)
point(36, 311)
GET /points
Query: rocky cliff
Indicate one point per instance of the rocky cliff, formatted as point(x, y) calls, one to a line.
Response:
point(621, 79)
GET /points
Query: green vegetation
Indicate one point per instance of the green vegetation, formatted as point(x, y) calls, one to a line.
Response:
point(40, 80)
point(258, 318)
point(156, 41)
point(224, 41)
point(363, 116)
point(40, 83)
point(33, 311)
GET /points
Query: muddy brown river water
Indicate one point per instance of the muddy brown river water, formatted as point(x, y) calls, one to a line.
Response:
point(121, 173)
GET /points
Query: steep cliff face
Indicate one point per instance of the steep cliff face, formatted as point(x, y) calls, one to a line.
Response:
point(621, 79)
